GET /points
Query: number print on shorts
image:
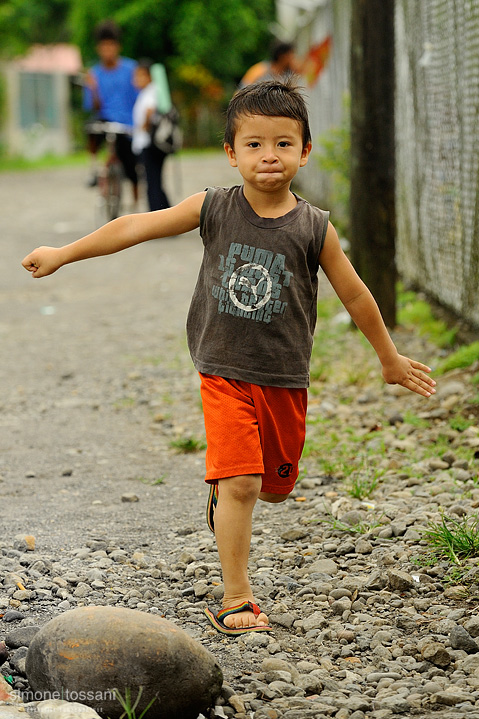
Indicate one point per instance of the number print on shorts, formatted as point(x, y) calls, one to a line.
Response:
point(252, 283)
point(285, 469)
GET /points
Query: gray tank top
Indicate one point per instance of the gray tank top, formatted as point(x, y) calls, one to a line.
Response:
point(253, 311)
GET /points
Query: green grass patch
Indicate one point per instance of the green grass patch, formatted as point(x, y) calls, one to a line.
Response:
point(454, 539)
point(152, 482)
point(188, 445)
point(359, 528)
point(415, 312)
point(460, 423)
point(362, 487)
point(48, 162)
point(129, 707)
point(463, 357)
point(415, 421)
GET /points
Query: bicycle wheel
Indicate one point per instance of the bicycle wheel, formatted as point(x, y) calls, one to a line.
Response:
point(113, 187)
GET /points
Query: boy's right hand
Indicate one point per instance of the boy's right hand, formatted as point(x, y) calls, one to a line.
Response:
point(43, 261)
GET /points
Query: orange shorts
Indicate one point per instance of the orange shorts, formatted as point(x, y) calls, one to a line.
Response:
point(253, 429)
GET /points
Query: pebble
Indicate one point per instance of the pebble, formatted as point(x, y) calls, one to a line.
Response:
point(461, 639)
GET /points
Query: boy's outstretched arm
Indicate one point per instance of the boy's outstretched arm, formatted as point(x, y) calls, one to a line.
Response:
point(362, 307)
point(117, 235)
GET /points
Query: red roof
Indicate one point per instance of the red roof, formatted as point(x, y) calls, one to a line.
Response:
point(52, 58)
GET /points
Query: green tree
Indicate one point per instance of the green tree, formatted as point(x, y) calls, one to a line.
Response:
point(223, 37)
point(25, 22)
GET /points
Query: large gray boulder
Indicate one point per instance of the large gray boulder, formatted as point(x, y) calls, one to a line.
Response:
point(86, 653)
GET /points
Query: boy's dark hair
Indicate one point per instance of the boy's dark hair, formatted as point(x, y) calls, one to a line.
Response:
point(145, 63)
point(270, 98)
point(278, 48)
point(107, 30)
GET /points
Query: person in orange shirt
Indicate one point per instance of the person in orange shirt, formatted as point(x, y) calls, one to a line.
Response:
point(282, 63)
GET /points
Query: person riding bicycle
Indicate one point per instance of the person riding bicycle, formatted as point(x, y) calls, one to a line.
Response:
point(110, 95)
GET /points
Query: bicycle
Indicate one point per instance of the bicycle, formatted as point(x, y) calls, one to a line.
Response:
point(110, 177)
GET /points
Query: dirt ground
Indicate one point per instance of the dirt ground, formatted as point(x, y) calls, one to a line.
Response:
point(95, 378)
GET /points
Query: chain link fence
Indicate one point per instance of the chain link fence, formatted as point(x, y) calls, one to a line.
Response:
point(437, 126)
point(437, 139)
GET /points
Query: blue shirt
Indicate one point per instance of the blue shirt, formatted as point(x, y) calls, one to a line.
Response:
point(116, 91)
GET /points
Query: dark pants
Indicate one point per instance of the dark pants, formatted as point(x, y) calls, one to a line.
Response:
point(153, 159)
point(122, 149)
point(126, 157)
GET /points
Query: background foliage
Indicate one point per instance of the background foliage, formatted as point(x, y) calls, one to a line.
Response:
point(206, 45)
point(224, 37)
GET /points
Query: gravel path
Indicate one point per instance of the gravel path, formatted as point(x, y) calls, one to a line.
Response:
point(96, 383)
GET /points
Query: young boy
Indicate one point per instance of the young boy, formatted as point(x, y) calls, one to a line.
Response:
point(251, 321)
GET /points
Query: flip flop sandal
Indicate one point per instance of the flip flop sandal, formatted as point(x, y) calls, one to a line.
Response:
point(211, 506)
point(218, 623)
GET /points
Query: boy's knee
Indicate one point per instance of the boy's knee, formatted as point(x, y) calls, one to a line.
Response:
point(242, 489)
point(273, 498)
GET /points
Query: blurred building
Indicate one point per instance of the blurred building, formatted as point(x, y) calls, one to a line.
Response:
point(37, 100)
point(320, 30)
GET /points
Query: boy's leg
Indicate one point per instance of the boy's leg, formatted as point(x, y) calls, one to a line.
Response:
point(236, 500)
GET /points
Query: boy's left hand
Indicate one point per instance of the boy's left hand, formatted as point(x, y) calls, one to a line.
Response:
point(409, 374)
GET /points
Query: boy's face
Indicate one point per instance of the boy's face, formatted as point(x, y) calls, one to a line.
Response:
point(268, 151)
point(108, 52)
point(141, 78)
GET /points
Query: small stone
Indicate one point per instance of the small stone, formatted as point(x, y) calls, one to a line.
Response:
point(284, 619)
point(472, 626)
point(129, 497)
point(21, 636)
point(12, 615)
point(200, 589)
point(461, 639)
point(270, 664)
point(321, 566)
point(353, 517)
point(236, 703)
point(451, 388)
point(316, 620)
point(400, 581)
point(310, 683)
point(24, 543)
point(449, 457)
point(437, 654)
point(3, 653)
point(363, 546)
point(450, 697)
point(6, 692)
point(456, 592)
point(386, 532)
point(438, 464)
point(356, 703)
point(293, 535)
point(278, 675)
point(376, 581)
point(396, 703)
point(62, 709)
point(341, 605)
